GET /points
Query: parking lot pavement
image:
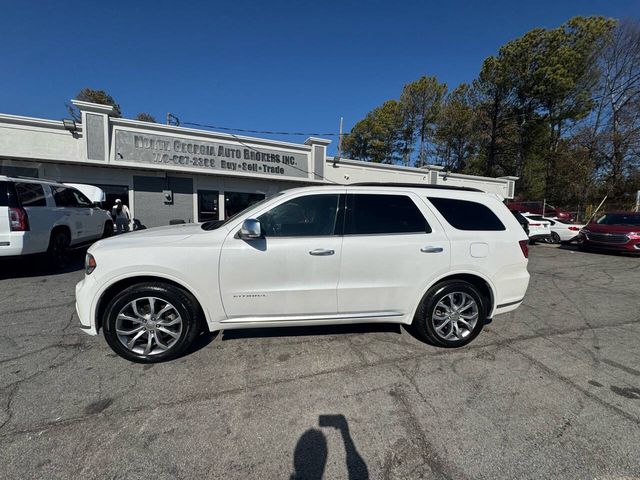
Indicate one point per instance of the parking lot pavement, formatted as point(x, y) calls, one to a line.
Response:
point(551, 390)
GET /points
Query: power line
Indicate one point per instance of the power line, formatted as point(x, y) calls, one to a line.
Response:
point(266, 132)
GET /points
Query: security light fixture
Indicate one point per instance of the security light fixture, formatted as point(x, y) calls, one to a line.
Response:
point(70, 125)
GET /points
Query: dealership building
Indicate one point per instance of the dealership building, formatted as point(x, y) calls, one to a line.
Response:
point(168, 174)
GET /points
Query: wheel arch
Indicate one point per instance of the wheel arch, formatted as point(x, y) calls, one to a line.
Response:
point(484, 286)
point(61, 228)
point(122, 283)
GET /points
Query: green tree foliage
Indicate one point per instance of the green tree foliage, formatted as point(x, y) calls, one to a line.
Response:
point(378, 136)
point(421, 102)
point(558, 107)
point(456, 129)
point(146, 117)
point(94, 96)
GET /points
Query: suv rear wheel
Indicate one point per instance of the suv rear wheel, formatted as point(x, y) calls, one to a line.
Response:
point(58, 251)
point(451, 314)
point(151, 322)
point(108, 230)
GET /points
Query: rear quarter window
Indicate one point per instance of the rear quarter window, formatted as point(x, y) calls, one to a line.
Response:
point(467, 215)
point(31, 194)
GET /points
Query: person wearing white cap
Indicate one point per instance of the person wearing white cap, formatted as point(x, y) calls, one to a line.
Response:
point(121, 215)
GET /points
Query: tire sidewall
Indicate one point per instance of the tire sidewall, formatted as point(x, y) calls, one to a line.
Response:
point(58, 258)
point(431, 299)
point(164, 292)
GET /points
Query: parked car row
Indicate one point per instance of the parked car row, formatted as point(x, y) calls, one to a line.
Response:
point(38, 216)
point(614, 231)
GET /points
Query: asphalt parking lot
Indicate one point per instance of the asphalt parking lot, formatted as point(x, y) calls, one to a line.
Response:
point(551, 390)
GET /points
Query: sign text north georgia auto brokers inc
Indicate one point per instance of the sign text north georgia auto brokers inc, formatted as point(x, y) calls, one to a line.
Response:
point(161, 150)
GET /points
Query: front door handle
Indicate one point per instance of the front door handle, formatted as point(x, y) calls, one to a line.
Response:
point(321, 252)
point(431, 249)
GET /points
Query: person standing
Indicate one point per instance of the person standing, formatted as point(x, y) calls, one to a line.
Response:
point(121, 216)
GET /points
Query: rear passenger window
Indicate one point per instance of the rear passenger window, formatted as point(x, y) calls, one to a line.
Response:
point(64, 197)
point(465, 215)
point(31, 194)
point(370, 214)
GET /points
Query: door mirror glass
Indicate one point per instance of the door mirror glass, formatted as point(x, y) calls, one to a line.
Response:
point(250, 229)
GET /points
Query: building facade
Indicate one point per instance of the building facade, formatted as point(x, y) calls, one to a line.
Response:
point(168, 174)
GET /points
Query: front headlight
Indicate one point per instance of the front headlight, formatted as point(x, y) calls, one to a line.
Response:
point(89, 264)
point(633, 235)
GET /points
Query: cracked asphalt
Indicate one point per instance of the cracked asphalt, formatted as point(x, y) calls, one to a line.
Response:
point(551, 390)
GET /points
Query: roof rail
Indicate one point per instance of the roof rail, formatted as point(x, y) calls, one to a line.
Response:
point(413, 185)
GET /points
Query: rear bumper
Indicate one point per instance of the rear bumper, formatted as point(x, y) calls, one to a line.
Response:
point(510, 288)
point(12, 244)
point(540, 237)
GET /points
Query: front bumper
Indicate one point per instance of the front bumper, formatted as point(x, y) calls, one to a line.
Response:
point(631, 246)
point(86, 295)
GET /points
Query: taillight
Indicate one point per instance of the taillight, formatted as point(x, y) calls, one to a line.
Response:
point(524, 246)
point(18, 220)
point(574, 229)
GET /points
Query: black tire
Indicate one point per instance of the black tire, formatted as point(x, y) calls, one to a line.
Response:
point(184, 303)
point(108, 229)
point(423, 323)
point(555, 238)
point(58, 251)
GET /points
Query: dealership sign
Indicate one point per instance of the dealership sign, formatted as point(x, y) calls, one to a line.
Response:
point(201, 155)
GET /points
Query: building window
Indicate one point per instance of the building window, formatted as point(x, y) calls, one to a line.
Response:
point(207, 205)
point(235, 202)
point(113, 192)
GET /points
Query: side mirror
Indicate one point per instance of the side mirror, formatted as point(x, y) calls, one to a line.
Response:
point(250, 229)
point(96, 204)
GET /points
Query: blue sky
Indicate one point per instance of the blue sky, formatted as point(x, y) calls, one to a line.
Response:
point(272, 65)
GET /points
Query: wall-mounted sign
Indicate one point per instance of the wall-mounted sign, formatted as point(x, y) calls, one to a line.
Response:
point(202, 155)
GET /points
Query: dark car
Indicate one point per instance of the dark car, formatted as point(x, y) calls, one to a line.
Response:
point(612, 231)
point(536, 207)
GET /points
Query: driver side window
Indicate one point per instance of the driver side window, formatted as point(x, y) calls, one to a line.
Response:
point(308, 216)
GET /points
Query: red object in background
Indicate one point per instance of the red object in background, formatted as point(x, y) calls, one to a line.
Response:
point(536, 207)
point(612, 231)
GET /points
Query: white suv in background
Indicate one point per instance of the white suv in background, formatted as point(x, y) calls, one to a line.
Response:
point(39, 216)
point(442, 259)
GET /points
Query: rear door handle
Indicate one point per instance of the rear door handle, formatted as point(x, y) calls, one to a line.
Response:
point(431, 249)
point(321, 252)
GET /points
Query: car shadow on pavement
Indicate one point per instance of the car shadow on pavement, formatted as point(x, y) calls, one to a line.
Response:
point(38, 265)
point(311, 452)
point(310, 330)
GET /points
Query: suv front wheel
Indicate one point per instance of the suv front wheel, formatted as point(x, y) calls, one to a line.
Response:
point(451, 314)
point(151, 322)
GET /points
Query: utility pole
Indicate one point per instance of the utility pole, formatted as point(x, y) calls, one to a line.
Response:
point(340, 142)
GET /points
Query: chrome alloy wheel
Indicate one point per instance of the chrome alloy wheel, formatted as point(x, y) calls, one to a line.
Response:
point(148, 325)
point(455, 316)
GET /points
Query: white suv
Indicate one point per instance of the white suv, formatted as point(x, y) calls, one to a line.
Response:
point(39, 216)
point(444, 260)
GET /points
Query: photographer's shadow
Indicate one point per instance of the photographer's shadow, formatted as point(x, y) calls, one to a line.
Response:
point(310, 454)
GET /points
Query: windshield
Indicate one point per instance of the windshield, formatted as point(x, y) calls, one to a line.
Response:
point(619, 219)
point(214, 224)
